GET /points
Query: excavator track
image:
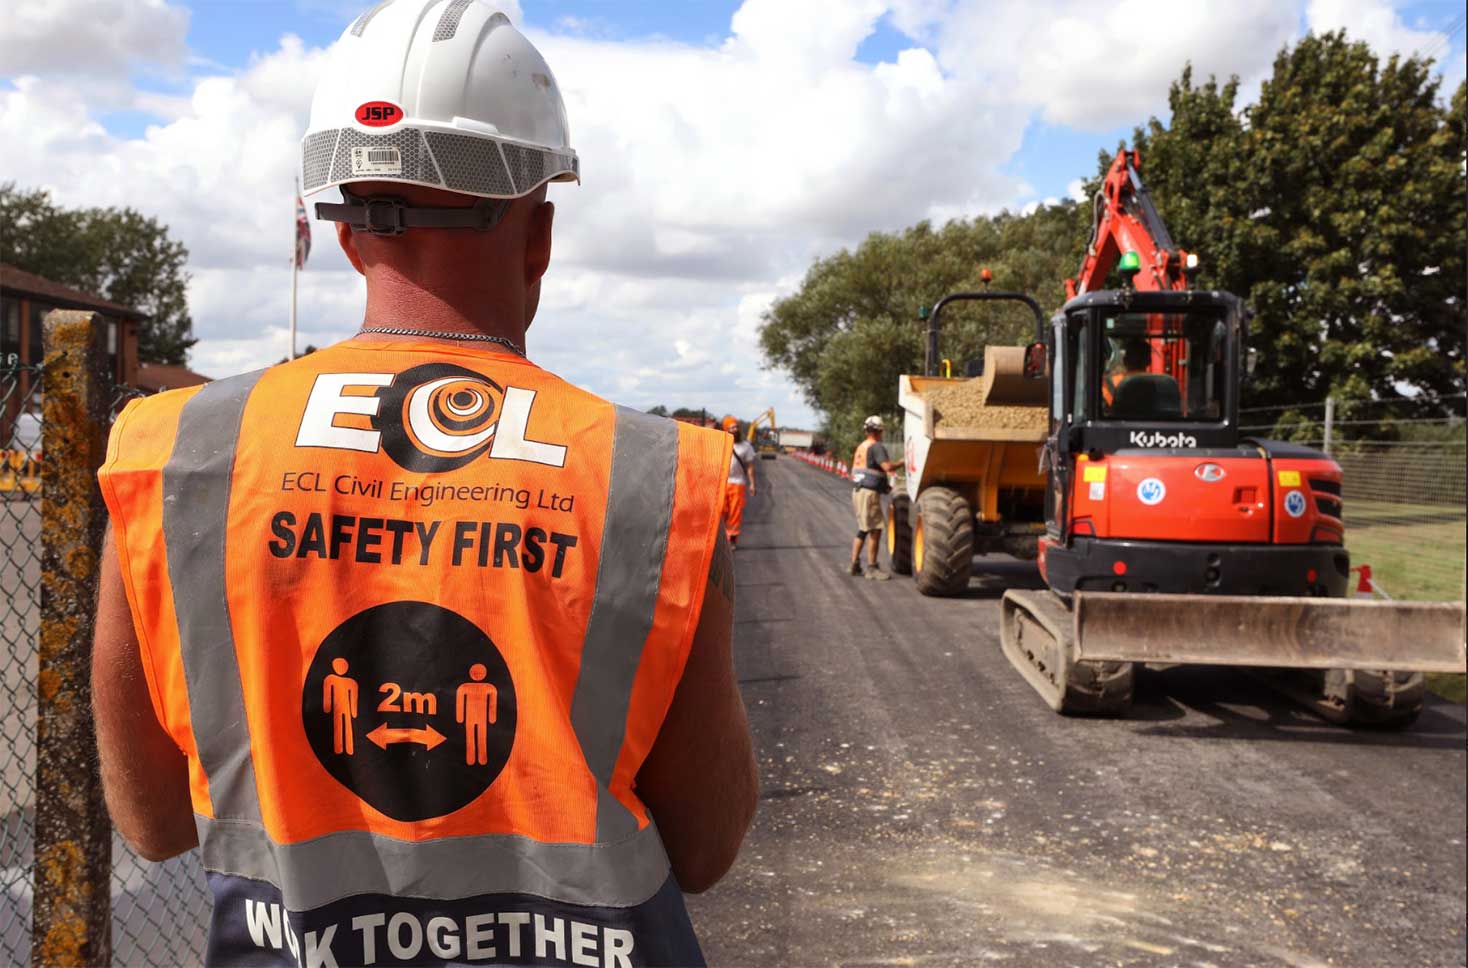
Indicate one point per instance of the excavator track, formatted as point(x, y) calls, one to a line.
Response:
point(1036, 632)
point(1355, 697)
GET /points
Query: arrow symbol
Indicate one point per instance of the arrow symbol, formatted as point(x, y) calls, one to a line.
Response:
point(383, 735)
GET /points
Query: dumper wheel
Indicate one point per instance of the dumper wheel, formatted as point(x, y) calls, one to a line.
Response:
point(943, 542)
point(1384, 700)
point(899, 533)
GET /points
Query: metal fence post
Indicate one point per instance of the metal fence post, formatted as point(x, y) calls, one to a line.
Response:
point(72, 922)
point(1329, 421)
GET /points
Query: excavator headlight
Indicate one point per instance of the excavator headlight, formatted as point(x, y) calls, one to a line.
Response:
point(1192, 262)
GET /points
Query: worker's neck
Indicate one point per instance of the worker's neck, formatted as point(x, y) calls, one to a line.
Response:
point(482, 305)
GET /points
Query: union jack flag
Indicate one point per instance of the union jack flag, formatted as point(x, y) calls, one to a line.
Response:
point(303, 233)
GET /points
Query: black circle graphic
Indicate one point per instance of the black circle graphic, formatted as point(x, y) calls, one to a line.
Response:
point(434, 715)
point(464, 406)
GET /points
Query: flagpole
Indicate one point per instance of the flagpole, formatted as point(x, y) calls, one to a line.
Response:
point(295, 266)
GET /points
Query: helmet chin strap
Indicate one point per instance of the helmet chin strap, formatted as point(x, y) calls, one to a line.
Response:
point(391, 215)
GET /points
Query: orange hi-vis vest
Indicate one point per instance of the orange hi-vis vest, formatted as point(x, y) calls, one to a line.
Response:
point(861, 474)
point(415, 615)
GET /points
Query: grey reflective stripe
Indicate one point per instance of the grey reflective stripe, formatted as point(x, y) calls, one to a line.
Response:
point(634, 543)
point(366, 18)
point(196, 481)
point(325, 869)
point(448, 24)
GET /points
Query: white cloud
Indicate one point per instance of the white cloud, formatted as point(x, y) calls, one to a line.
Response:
point(91, 37)
point(1375, 21)
point(1094, 66)
point(714, 173)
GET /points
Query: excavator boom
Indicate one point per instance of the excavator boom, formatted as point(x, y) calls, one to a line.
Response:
point(1125, 220)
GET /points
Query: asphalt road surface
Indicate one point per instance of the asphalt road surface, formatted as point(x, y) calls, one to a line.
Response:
point(922, 806)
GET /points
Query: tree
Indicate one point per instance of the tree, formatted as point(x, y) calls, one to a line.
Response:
point(1334, 207)
point(118, 254)
point(658, 411)
point(852, 327)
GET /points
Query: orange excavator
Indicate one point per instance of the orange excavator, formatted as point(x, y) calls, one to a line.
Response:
point(1170, 536)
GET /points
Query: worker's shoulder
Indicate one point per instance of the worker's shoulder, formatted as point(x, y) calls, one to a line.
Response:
point(154, 408)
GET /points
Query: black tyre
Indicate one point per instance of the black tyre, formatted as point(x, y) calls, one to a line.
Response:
point(899, 534)
point(943, 542)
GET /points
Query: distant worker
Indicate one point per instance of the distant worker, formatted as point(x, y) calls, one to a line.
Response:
point(870, 466)
point(1136, 357)
point(740, 485)
point(606, 763)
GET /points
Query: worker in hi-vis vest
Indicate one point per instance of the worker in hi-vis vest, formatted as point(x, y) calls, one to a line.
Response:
point(740, 484)
point(427, 649)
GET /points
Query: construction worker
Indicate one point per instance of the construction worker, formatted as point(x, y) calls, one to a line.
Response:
point(427, 649)
point(740, 485)
point(870, 466)
point(1136, 357)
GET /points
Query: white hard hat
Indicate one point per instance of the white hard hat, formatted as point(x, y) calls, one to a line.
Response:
point(442, 93)
point(873, 422)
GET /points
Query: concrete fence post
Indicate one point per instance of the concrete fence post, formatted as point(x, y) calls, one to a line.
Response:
point(1329, 421)
point(72, 923)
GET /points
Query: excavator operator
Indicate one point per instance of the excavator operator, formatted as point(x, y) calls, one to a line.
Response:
point(1133, 392)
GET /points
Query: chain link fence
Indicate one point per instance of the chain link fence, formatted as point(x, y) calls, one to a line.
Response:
point(160, 912)
point(1405, 489)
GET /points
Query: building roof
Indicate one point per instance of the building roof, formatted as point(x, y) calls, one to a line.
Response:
point(18, 280)
point(157, 377)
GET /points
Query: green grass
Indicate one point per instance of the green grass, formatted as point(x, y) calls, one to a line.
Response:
point(1453, 688)
point(1416, 551)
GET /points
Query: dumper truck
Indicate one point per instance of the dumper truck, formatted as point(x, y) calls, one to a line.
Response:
point(973, 481)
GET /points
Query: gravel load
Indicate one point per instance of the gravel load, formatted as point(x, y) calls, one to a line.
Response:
point(961, 405)
point(1001, 398)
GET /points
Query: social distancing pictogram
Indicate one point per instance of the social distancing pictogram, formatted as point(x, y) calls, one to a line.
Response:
point(431, 695)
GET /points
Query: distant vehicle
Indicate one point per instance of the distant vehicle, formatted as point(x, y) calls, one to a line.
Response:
point(766, 439)
point(791, 440)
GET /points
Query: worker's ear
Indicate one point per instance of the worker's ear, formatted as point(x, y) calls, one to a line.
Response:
point(538, 243)
point(348, 242)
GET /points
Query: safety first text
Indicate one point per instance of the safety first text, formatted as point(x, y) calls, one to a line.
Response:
point(398, 541)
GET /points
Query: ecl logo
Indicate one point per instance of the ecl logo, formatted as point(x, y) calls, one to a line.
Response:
point(429, 419)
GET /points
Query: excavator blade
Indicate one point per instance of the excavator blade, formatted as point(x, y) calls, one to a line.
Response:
point(1289, 633)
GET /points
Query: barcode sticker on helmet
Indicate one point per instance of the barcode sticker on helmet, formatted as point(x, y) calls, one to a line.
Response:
point(377, 161)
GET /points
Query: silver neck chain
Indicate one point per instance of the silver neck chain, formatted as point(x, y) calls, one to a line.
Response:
point(429, 334)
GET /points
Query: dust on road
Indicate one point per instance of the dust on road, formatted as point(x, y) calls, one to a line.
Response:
point(921, 806)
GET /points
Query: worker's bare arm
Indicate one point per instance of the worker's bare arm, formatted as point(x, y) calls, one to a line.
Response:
point(144, 775)
point(700, 779)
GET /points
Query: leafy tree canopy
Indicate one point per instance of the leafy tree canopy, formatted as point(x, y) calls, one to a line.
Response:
point(118, 254)
point(852, 328)
point(1334, 207)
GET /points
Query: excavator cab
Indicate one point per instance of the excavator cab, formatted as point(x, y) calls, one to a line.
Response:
point(1138, 365)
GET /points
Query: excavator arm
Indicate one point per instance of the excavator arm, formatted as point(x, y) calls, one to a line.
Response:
point(768, 417)
point(1124, 220)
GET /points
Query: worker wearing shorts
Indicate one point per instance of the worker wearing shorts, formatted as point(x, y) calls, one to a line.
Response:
point(870, 466)
point(740, 485)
